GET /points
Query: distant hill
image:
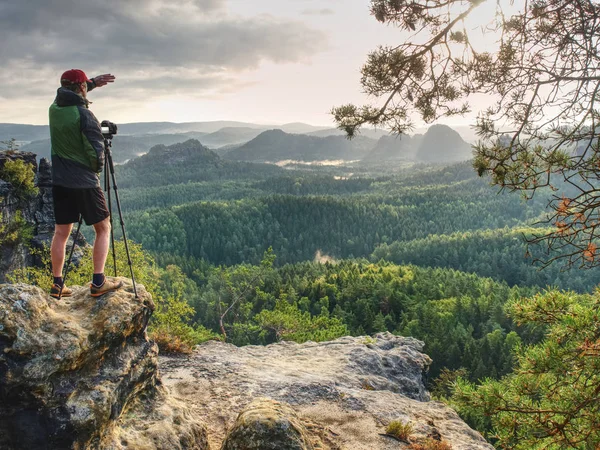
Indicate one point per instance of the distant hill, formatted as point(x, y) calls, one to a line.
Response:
point(442, 144)
point(181, 153)
point(124, 147)
point(230, 136)
point(208, 127)
point(467, 132)
point(439, 144)
point(392, 148)
point(254, 142)
point(128, 146)
point(187, 162)
point(23, 132)
point(226, 148)
point(276, 145)
point(172, 127)
point(296, 127)
point(41, 148)
point(365, 132)
point(29, 133)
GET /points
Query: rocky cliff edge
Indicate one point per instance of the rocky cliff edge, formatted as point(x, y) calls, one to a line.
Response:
point(80, 373)
point(345, 392)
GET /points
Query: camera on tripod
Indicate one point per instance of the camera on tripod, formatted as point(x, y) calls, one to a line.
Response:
point(108, 129)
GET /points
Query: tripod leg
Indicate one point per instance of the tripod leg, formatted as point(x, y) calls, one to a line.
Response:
point(70, 256)
point(109, 200)
point(114, 181)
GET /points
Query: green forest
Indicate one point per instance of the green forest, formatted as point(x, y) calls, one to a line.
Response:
point(420, 250)
point(307, 252)
point(254, 254)
point(183, 201)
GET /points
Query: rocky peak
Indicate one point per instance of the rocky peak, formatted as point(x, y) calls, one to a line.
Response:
point(392, 148)
point(181, 153)
point(37, 212)
point(442, 144)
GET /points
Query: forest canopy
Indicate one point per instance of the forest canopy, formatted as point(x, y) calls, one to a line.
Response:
point(540, 72)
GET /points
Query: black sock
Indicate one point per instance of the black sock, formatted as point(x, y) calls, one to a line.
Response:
point(98, 279)
point(59, 281)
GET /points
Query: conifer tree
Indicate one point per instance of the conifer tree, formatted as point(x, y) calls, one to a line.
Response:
point(542, 75)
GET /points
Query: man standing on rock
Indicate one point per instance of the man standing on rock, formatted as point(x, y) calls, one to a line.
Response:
point(77, 159)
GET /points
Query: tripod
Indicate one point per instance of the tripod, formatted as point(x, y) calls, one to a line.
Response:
point(109, 174)
point(108, 165)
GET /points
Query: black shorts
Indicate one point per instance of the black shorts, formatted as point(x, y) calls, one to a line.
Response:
point(70, 203)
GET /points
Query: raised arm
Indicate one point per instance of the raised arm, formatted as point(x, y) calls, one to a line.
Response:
point(100, 80)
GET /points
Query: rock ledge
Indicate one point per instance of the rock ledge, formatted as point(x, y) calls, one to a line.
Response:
point(80, 373)
point(345, 391)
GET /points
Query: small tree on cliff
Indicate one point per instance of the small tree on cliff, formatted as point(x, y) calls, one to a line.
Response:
point(236, 284)
point(21, 176)
point(543, 73)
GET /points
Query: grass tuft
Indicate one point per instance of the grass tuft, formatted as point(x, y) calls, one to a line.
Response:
point(399, 429)
point(430, 444)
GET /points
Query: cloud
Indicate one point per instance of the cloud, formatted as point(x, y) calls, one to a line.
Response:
point(318, 12)
point(160, 44)
point(188, 82)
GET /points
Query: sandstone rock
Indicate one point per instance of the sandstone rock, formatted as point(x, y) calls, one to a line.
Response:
point(267, 425)
point(156, 421)
point(12, 155)
point(72, 370)
point(351, 388)
point(43, 211)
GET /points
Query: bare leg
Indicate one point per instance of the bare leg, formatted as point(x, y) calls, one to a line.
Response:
point(57, 249)
point(101, 244)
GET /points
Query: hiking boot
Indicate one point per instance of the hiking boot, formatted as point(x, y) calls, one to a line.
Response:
point(107, 286)
point(56, 293)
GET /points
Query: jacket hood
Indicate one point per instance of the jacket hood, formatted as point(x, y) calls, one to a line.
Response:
point(65, 97)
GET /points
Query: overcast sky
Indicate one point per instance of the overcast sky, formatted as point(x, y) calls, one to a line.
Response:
point(262, 61)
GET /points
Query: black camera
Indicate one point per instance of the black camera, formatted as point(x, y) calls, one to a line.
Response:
point(108, 129)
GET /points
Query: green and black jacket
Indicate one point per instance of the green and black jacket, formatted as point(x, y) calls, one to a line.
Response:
point(77, 142)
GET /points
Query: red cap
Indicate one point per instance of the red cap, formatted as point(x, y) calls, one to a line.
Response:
point(74, 76)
